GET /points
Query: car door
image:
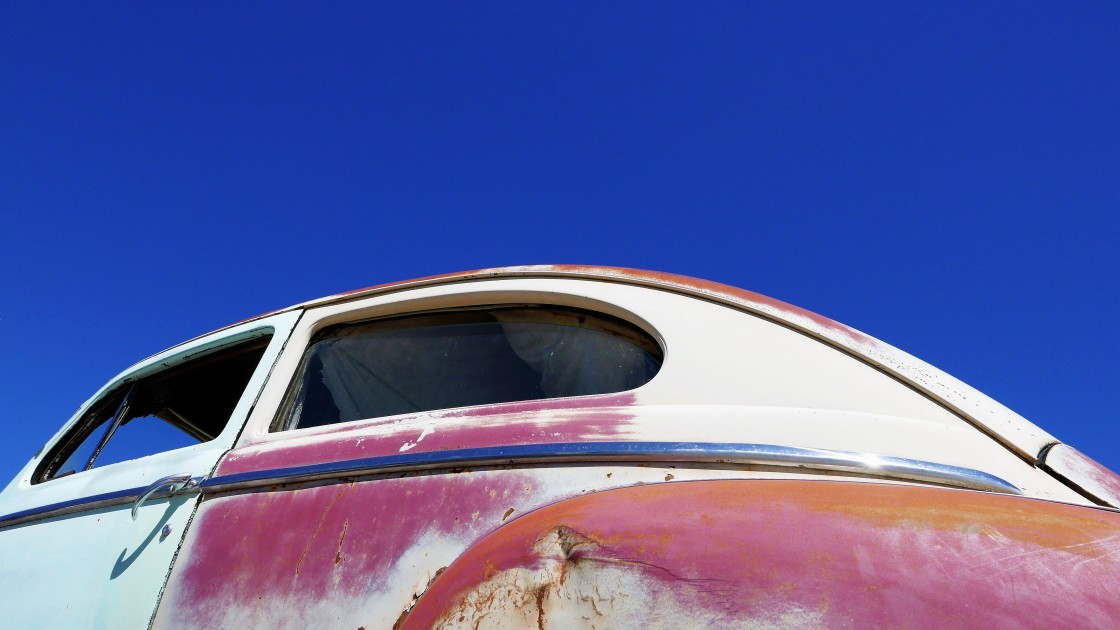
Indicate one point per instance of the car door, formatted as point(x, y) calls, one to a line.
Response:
point(90, 527)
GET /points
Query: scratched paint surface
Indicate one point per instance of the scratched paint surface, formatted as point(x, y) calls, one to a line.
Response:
point(725, 554)
point(356, 552)
point(608, 418)
point(1085, 473)
point(557, 420)
point(454, 549)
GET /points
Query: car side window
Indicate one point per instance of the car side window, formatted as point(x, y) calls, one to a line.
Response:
point(180, 406)
point(447, 359)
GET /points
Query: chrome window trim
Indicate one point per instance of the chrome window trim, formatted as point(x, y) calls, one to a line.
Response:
point(886, 467)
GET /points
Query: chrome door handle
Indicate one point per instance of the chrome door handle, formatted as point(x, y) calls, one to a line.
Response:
point(173, 483)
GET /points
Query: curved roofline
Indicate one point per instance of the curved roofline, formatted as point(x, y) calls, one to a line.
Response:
point(1017, 433)
point(656, 279)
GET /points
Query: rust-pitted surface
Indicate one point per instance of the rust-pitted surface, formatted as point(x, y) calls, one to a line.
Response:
point(315, 556)
point(476, 549)
point(350, 554)
point(732, 554)
point(1098, 482)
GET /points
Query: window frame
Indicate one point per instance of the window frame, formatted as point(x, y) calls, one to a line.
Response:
point(285, 422)
point(90, 418)
point(565, 292)
point(122, 478)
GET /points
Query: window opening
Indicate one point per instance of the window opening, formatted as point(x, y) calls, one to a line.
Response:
point(186, 404)
point(448, 359)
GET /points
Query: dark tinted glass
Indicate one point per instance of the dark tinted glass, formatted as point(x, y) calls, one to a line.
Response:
point(183, 405)
point(461, 358)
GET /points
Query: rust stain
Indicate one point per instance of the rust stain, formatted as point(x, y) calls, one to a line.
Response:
point(415, 597)
point(785, 554)
point(299, 564)
point(341, 538)
point(576, 577)
point(1023, 520)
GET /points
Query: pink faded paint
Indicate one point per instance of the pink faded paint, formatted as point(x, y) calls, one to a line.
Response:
point(1100, 483)
point(604, 402)
point(333, 542)
point(530, 422)
point(787, 553)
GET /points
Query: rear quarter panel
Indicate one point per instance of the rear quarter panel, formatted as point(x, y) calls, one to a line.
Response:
point(525, 548)
point(723, 554)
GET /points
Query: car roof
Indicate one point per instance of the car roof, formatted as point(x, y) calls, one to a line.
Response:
point(988, 415)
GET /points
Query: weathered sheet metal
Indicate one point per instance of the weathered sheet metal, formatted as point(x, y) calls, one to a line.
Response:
point(1005, 425)
point(467, 549)
point(351, 554)
point(1085, 474)
point(611, 418)
point(479, 541)
point(729, 554)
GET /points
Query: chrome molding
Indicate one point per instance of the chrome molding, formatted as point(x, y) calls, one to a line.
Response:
point(94, 502)
point(625, 452)
point(808, 459)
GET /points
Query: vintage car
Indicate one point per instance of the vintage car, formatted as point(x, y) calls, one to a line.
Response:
point(553, 447)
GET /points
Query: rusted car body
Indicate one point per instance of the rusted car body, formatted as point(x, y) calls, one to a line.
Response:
point(553, 447)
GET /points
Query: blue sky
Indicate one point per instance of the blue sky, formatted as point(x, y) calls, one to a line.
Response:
point(943, 176)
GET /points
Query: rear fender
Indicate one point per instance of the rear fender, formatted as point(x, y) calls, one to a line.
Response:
point(784, 553)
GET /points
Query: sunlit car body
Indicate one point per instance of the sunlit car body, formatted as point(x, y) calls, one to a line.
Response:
point(553, 447)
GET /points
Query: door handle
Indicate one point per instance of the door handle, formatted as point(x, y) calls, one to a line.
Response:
point(173, 483)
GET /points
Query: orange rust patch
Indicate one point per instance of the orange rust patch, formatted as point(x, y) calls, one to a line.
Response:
point(1032, 521)
point(770, 552)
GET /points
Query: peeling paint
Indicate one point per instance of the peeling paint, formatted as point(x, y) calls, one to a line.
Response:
point(598, 418)
point(734, 553)
point(428, 430)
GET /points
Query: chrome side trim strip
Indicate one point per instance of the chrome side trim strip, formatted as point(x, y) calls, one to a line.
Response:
point(559, 453)
point(618, 452)
point(94, 502)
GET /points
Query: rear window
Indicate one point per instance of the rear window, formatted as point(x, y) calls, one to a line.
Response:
point(449, 359)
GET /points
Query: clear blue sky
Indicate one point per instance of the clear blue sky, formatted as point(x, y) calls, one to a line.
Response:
point(944, 176)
